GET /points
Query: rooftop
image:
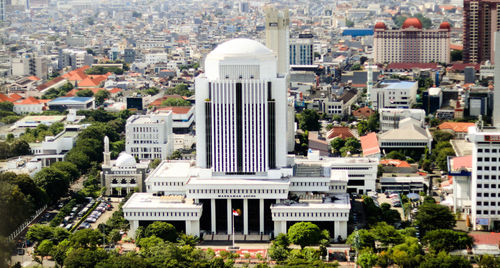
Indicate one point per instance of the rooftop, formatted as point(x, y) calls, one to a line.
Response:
point(398, 84)
point(148, 201)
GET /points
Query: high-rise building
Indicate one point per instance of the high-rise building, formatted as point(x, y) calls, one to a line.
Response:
point(484, 187)
point(277, 36)
point(301, 50)
point(411, 43)
point(30, 64)
point(241, 110)
point(150, 136)
point(2, 10)
point(481, 21)
point(242, 162)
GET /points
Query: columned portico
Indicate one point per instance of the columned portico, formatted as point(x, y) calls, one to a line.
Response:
point(245, 216)
point(261, 216)
point(212, 218)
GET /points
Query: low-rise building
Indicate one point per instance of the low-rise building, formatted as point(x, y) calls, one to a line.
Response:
point(54, 148)
point(76, 103)
point(409, 135)
point(394, 94)
point(390, 118)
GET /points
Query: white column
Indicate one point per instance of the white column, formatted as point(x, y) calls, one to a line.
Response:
point(261, 215)
point(229, 217)
point(133, 227)
point(343, 230)
point(336, 229)
point(188, 227)
point(283, 227)
point(213, 215)
point(245, 216)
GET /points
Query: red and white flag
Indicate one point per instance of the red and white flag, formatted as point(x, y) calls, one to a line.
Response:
point(236, 212)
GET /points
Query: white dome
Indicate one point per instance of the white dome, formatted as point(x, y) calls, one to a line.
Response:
point(240, 47)
point(125, 160)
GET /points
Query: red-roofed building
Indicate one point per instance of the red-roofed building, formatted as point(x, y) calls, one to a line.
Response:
point(54, 83)
point(458, 129)
point(407, 67)
point(339, 132)
point(5, 98)
point(398, 166)
point(316, 142)
point(460, 175)
point(363, 112)
point(369, 145)
point(92, 81)
point(182, 118)
point(15, 96)
point(460, 67)
point(30, 105)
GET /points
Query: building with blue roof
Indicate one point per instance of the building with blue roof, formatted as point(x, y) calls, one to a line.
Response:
point(357, 32)
point(394, 94)
point(77, 103)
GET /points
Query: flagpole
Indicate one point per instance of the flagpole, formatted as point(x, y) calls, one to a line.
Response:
point(233, 227)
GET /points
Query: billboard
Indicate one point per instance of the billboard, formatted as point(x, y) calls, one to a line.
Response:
point(482, 221)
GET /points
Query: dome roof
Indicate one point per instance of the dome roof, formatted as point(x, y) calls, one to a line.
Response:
point(445, 25)
point(125, 160)
point(380, 25)
point(240, 47)
point(412, 22)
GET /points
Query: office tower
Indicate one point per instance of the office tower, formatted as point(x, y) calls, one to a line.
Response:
point(481, 21)
point(2, 10)
point(485, 195)
point(301, 50)
point(241, 110)
point(277, 36)
point(149, 136)
point(411, 43)
point(30, 64)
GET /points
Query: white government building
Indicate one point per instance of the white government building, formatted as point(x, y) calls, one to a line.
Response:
point(242, 161)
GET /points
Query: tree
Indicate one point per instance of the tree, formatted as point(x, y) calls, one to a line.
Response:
point(433, 216)
point(14, 207)
point(373, 122)
point(85, 258)
point(447, 240)
point(304, 234)
point(442, 158)
point(175, 102)
point(79, 158)
point(114, 236)
point(337, 144)
point(349, 23)
point(53, 181)
point(39, 232)
point(354, 144)
point(444, 260)
point(85, 93)
point(100, 96)
point(386, 234)
point(309, 120)
point(367, 259)
point(188, 240)
point(6, 247)
point(456, 55)
point(356, 67)
point(6, 106)
point(20, 147)
point(86, 238)
point(362, 127)
point(44, 249)
point(123, 261)
point(163, 230)
point(395, 155)
point(442, 136)
point(68, 167)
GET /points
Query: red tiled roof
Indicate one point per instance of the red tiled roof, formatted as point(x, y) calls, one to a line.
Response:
point(114, 90)
point(93, 80)
point(394, 162)
point(5, 98)
point(15, 96)
point(176, 109)
point(341, 132)
point(30, 101)
point(456, 126)
point(461, 66)
point(369, 144)
point(461, 162)
point(73, 92)
point(50, 83)
point(77, 74)
point(34, 78)
point(456, 47)
point(408, 66)
point(486, 238)
point(363, 112)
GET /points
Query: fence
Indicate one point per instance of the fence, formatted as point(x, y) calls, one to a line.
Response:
point(23, 226)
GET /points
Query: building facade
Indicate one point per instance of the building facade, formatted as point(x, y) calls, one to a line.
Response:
point(412, 43)
point(149, 137)
point(242, 161)
point(394, 94)
point(481, 21)
point(301, 51)
point(277, 36)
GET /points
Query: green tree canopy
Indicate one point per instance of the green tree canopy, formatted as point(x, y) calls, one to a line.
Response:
point(100, 96)
point(447, 240)
point(308, 120)
point(53, 181)
point(433, 216)
point(175, 102)
point(304, 234)
point(68, 167)
point(85, 238)
point(85, 93)
point(163, 230)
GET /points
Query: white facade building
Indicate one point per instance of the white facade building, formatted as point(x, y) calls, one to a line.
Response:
point(278, 36)
point(54, 148)
point(149, 136)
point(242, 161)
point(153, 58)
point(394, 94)
point(390, 118)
